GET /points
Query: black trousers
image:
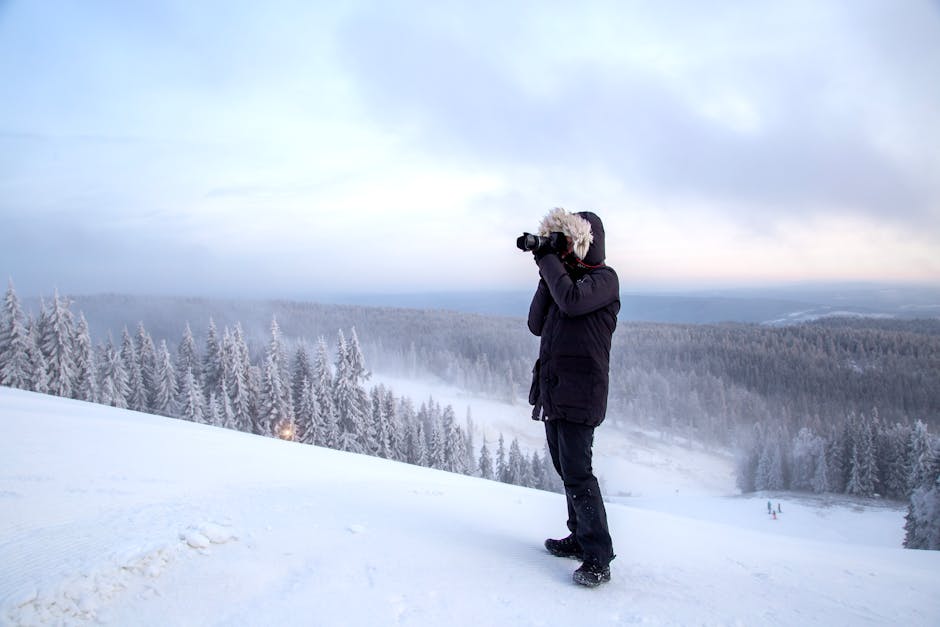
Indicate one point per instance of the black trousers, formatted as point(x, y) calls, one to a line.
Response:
point(570, 445)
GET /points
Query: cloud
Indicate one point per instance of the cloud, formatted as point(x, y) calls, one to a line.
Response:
point(780, 131)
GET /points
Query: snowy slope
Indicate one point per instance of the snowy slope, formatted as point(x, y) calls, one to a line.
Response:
point(115, 517)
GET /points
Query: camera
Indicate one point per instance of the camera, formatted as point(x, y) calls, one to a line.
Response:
point(555, 242)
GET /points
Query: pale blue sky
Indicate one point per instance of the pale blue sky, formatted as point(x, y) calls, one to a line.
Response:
point(286, 147)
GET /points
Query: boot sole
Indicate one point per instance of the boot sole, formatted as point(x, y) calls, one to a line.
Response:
point(589, 583)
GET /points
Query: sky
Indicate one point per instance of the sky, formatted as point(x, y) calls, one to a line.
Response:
point(287, 148)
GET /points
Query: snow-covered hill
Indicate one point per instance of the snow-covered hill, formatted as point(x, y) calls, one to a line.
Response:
point(109, 516)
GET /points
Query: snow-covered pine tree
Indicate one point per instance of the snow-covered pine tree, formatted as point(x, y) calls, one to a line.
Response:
point(136, 390)
point(893, 461)
point(919, 456)
point(348, 398)
point(273, 419)
point(862, 460)
point(39, 379)
point(536, 472)
point(190, 398)
point(214, 411)
point(307, 413)
point(15, 366)
point(327, 432)
point(380, 425)
point(485, 466)
point(516, 464)
point(407, 443)
point(86, 379)
point(922, 526)
point(57, 344)
point(187, 356)
point(229, 419)
point(112, 389)
point(236, 375)
point(430, 416)
point(301, 373)
point(212, 361)
point(837, 464)
point(147, 356)
point(164, 381)
point(451, 441)
point(469, 446)
point(394, 439)
point(502, 470)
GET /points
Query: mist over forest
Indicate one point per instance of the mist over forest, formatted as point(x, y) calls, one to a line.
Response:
point(835, 404)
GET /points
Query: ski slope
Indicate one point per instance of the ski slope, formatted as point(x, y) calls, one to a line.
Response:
point(113, 517)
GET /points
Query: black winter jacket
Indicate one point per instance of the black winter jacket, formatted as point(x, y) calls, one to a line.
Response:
point(575, 314)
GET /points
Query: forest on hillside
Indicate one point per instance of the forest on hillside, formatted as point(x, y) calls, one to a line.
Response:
point(836, 405)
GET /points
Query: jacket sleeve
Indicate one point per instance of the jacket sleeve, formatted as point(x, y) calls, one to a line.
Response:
point(594, 291)
point(538, 310)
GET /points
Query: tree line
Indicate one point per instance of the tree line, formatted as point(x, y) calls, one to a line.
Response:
point(862, 455)
point(320, 399)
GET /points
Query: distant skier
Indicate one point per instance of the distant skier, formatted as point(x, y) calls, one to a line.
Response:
point(574, 311)
point(770, 508)
point(779, 510)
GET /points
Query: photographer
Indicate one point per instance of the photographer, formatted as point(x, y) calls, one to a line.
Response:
point(574, 311)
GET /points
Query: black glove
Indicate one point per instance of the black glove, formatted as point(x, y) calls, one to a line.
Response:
point(556, 244)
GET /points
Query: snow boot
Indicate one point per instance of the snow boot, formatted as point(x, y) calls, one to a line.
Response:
point(592, 574)
point(566, 547)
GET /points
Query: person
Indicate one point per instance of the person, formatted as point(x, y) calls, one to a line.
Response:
point(574, 312)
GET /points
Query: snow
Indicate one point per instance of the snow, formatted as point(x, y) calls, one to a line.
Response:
point(113, 517)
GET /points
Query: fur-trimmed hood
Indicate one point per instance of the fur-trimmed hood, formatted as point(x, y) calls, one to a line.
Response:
point(585, 230)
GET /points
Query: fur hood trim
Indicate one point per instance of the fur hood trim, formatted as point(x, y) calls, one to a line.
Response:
point(572, 225)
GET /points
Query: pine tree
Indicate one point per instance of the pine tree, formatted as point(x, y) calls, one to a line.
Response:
point(327, 430)
point(392, 444)
point(15, 364)
point(229, 419)
point(272, 419)
point(486, 462)
point(187, 356)
point(39, 378)
point(190, 398)
point(113, 389)
point(301, 374)
point(147, 354)
point(536, 473)
point(212, 361)
point(349, 398)
point(136, 390)
point(214, 411)
point(516, 465)
point(57, 347)
point(918, 456)
point(164, 381)
point(236, 378)
point(86, 379)
point(502, 471)
point(381, 424)
point(922, 526)
point(307, 414)
point(435, 436)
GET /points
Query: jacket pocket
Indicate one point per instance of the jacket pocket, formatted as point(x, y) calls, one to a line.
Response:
point(576, 383)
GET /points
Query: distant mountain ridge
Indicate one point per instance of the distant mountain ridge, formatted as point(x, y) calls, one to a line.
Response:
point(780, 305)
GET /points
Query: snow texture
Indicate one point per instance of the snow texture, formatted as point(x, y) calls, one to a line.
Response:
point(116, 517)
